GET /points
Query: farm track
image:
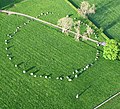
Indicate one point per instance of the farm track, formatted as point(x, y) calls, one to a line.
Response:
point(44, 22)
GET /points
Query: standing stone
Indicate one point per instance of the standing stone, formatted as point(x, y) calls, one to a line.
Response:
point(77, 96)
point(69, 79)
point(10, 58)
point(57, 78)
point(31, 74)
point(46, 77)
point(76, 76)
point(16, 65)
point(35, 76)
point(24, 71)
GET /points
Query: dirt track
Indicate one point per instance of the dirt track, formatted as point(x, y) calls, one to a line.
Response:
point(44, 22)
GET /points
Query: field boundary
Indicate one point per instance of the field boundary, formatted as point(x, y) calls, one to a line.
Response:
point(74, 7)
point(107, 100)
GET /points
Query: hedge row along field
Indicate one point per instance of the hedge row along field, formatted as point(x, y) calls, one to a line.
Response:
point(50, 51)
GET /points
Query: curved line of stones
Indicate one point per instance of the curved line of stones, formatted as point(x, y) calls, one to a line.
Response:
point(75, 74)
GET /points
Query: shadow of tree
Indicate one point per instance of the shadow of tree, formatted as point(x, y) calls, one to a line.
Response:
point(72, 2)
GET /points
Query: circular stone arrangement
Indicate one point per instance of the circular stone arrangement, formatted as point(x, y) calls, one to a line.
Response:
point(75, 74)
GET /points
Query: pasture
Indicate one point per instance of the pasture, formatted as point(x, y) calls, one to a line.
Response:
point(45, 50)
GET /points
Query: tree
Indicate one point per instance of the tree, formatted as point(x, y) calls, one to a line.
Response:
point(84, 36)
point(91, 9)
point(86, 9)
point(66, 23)
point(77, 29)
point(111, 50)
point(89, 31)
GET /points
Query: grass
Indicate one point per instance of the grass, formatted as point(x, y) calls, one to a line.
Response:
point(107, 16)
point(51, 52)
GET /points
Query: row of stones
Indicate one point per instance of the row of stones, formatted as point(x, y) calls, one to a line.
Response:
point(9, 55)
point(74, 74)
point(24, 24)
point(17, 30)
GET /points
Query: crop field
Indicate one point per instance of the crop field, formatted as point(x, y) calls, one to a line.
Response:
point(44, 50)
point(107, 16)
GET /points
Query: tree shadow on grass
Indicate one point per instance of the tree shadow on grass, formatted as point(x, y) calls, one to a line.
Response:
point(73, 3)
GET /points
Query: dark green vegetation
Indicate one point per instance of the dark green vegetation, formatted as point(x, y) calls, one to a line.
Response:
point(8, 3)
point(107, 16)
point(51, 52)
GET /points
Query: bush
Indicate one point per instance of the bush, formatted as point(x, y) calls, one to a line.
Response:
point(111, 50)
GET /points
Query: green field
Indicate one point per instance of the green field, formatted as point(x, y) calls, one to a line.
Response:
point(51, 52)
point(107, 16)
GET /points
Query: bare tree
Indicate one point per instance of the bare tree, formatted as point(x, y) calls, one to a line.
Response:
point(89, 31)
point(92, 9)
point(86, 9)
point(84, 36)
point(66, 23)
point(77, 29)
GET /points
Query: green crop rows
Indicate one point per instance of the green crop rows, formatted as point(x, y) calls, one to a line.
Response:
point(51, 52)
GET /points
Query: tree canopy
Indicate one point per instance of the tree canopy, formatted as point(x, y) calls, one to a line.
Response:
point(111, 50)
point(86, 9)
point(66, 23)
